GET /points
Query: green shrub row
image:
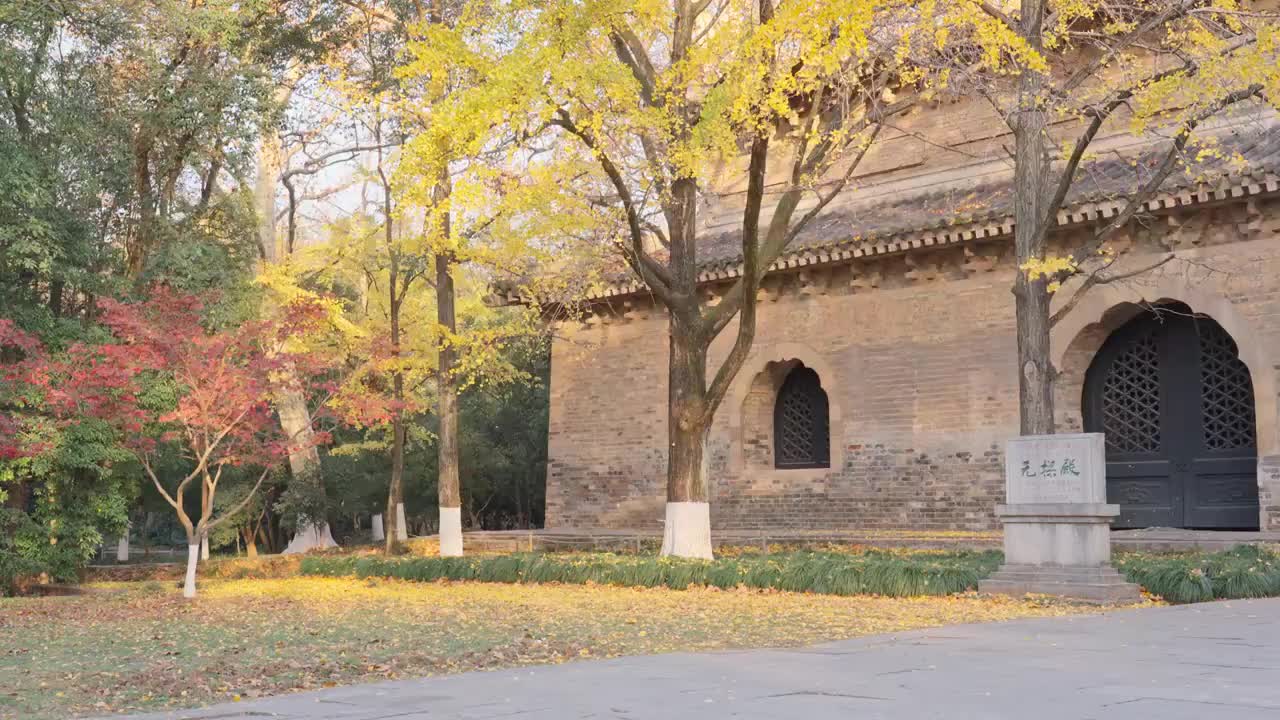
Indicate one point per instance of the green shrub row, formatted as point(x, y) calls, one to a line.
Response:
point(1241, 572)
point(1244, 571)
point(869, 573)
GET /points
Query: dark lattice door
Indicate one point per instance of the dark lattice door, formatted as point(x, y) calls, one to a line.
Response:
point(1176, 405)
point(801, 426)
point(1223, 491)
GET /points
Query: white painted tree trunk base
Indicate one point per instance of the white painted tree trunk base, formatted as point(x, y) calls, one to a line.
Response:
point(402, 532)
point(311, 537)
point(450, 532)
point(204, 548)
point(378, 533)
point(122, 549)
point(687, 531)
point(189, 586)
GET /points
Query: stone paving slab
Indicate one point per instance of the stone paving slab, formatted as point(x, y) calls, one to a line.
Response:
point(1194, 661)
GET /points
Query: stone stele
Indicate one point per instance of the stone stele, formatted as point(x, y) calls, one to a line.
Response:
point(1057, 523)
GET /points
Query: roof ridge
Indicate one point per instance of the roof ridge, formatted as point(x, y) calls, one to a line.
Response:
point(1099, 202)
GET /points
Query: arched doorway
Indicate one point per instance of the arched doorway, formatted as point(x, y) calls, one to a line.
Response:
point(1176, 404)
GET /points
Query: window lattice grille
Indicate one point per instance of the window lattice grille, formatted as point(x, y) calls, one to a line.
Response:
point(1131, 399)
point(1226, 395)
point(801, 423)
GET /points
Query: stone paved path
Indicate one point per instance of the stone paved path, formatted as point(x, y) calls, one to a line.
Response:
point(1217, 660)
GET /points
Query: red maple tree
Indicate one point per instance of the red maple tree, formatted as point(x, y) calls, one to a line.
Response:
point(171, 387)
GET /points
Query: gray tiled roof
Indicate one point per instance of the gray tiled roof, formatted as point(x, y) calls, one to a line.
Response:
point(855, 224)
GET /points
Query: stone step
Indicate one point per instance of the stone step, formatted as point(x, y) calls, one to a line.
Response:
point(1093, 593)
point(1012, 573)
point(1051, 580)
point(1092, 584)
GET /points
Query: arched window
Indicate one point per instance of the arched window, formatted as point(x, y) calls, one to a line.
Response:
point(801, 426)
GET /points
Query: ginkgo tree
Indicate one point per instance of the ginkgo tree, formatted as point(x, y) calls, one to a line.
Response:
point(371, 257)
point(488, 221)
point(652, 96)
point(355, 262)
point(448, 219)
point(179, 395)
point(1164, 69)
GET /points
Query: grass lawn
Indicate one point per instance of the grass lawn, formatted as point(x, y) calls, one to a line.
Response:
point(140, 646)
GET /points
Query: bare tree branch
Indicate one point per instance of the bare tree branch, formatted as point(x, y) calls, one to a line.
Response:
point(1097, 278)
point(998, 14)
point(1155, 21)
point(318, 163)
point(782, 231)
point(146, 466)
point(631, 52)
point(748, 285)
point(240, 505)
point(1099, 114)
point(1163, 170)
point(654, 275)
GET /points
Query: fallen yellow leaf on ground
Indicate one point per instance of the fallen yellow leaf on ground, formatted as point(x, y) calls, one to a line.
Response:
point(142, 647)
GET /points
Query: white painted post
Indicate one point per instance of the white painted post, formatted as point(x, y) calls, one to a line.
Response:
point(189, 587)
point(311, 537)
point(450, 532)
point(687, 530)
point(402, 533)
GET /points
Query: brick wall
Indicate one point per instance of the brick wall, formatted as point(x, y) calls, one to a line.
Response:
point(919, 367)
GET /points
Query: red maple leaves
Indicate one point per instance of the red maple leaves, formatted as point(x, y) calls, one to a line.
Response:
point(164, 379)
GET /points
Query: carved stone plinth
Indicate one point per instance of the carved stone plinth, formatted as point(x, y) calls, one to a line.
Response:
point(1057, 525)
point(1059, 549)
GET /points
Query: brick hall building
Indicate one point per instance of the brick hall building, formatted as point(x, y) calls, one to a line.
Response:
point(882, 383)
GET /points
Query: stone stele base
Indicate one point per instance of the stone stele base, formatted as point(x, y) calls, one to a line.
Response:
point(1059, 549)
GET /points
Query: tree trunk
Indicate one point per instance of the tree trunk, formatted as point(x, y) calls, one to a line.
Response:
point(1031, 299)
point(250, 536)
point(264, 195)
point(295, 417)
point(395, 530)
point(189, 586)
point(146, 534)
point(56, 288)
point(687, 529)
point(520, 501)
point(450, 496)
point(304, 462)
point(122, 548)
point(204, 547)
point(138, 242)
point(376, 529)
